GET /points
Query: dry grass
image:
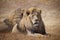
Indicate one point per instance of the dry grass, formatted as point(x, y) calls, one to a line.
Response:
point(9, 36)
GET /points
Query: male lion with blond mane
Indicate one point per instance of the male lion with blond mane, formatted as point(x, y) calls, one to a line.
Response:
point(31, 23)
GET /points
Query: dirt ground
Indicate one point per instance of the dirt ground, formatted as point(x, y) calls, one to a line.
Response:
point(50, 15)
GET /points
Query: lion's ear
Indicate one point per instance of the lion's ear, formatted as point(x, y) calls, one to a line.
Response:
point(39, 12)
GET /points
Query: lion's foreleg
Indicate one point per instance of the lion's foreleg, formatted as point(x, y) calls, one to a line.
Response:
point(15, 30)
point(29, 33)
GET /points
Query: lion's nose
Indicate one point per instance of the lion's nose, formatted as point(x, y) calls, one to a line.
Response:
point(36, 20)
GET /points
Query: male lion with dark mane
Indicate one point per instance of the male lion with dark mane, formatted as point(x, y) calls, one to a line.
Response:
point(31, 23)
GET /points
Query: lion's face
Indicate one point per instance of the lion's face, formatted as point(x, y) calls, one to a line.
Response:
point(34, 16)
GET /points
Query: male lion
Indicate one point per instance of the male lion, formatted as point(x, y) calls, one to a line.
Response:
point(31, 23)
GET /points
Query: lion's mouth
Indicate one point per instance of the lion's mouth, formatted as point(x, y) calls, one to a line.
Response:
point(36, 23)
